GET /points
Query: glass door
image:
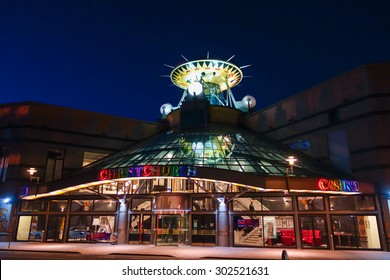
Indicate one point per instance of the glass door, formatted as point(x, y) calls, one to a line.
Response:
point(55, 228)
point(168, 228)
point(140, 229)
point(203, 230)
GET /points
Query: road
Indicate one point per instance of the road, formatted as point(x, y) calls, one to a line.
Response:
point(23, 255)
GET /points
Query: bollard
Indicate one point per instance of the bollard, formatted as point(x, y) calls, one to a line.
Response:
point(284, 255)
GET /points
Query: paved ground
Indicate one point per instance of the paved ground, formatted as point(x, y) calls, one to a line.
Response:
point(187, 252)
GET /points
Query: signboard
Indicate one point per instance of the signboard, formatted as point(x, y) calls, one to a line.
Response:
point(247, 223)
point(148, 171)
point(338, 185)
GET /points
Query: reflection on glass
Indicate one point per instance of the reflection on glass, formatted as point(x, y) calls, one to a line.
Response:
point(141, 204)
point(58, 205)
point(104, 205)
point(203, 204)
point(262, 204)
point(82, 205)
point(355, 202)
point(33, 205)
point(203, 230)
point(55, 228)
point(310, 203)
point(140, 229)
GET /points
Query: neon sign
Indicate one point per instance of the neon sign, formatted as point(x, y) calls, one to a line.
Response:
point(148, 171)
point(338, 185)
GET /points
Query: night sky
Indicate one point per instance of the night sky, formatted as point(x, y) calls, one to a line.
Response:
point(108, 56)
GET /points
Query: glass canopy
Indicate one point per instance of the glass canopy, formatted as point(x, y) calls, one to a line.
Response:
point(221, 147)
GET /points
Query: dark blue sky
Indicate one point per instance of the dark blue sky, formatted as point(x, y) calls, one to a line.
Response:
point(107, 56)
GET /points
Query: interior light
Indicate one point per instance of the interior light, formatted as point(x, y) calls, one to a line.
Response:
point(6, 200)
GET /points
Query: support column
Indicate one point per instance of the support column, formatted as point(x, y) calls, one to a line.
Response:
point(122, 223)
point(223, 223)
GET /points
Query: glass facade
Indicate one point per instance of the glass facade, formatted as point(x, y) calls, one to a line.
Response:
point(255, 219)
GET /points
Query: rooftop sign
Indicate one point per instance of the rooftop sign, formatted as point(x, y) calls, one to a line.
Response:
point(148, 171)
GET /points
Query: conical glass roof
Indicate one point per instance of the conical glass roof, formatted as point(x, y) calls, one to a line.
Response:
point(218, 146)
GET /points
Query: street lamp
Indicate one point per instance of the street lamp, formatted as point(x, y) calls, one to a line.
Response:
point(291, 162)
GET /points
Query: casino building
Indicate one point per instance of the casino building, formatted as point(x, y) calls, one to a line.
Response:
point(204, 178)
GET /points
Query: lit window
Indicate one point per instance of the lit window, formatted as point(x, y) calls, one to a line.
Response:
point(92, 157)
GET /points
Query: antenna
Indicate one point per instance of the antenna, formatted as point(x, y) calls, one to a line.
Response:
point(231, 57)
point(184, 57)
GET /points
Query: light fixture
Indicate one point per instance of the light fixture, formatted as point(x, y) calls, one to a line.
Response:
point(195, 88)
point(165, 109)
point(32, 171)
point(249, 101)
point(291, 161)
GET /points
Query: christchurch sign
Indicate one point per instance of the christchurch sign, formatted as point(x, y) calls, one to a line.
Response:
point(148, 171)
point(338, 185)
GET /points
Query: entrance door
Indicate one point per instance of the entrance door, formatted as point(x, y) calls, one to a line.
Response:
point(139, 231)
point(203, 230)
point(168, 228)
point(55, 228)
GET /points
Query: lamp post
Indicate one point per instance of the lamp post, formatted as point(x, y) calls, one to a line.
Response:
point(291, 162)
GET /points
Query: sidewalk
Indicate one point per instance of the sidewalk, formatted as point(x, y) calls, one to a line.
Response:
point(187, 252)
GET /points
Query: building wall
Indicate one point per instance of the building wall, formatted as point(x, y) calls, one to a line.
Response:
point(28, 130)
point(343, 121)
point(354, 106)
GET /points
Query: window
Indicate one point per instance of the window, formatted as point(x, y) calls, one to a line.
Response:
point(91, 228)
point(276, 203)
point(104, 205)
point(4, 158)
point(87, 205)
point(141, 204)
point(54, 164)
point(82, 205)
point(33, 206)
point(171, 202)
point(58, 206)
point(314, 232)
point(358, 231)
point(31, 228)
point(251, 230)
point(267, 203)
point(203, 204)
point(310, 203)
point(90, 157)
point(333, 116)
point(360, 203)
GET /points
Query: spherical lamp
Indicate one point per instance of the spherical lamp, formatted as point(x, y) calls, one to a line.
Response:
point(195, 88)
